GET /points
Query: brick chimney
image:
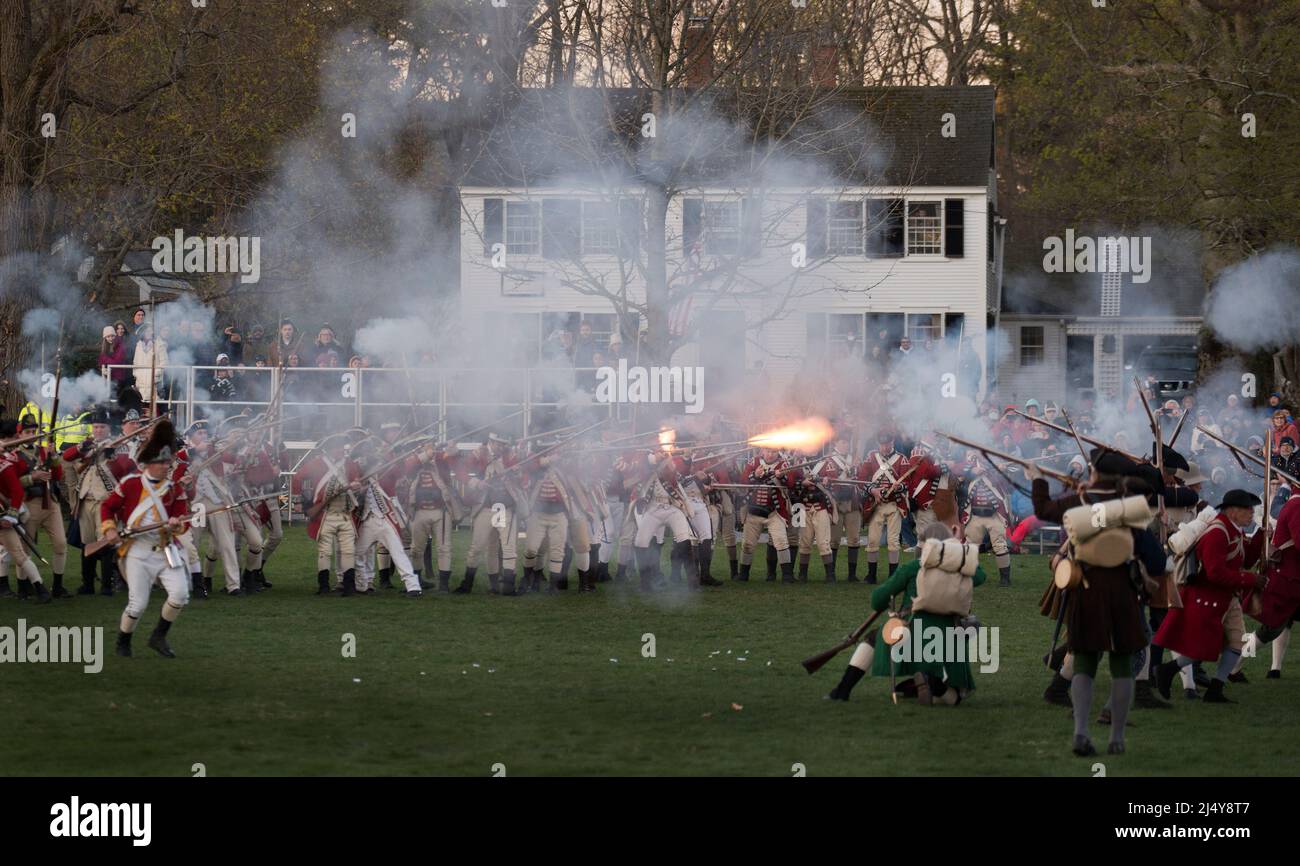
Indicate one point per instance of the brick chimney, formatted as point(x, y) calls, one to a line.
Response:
point(699, 52)
point(825, 64)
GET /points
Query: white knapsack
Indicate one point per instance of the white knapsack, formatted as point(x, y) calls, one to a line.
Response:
point(943, 584)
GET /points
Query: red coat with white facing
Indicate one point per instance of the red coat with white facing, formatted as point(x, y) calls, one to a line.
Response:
point(312, 474)
point(129, 493)
point(1196, 629)
point(10, 485)
point(777, 484)
point(877, 467)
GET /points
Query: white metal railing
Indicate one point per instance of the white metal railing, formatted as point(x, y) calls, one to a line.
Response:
point(322, 400)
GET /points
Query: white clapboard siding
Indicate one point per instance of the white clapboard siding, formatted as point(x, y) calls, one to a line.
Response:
point(1045, 381)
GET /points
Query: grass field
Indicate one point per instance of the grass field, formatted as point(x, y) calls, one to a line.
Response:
point(452, 685)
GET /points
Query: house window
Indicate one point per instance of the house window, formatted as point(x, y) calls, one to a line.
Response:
point(523, 228)
point(722, 228)
point(1032, 349)
point(924, 228)
point(599, 228)
point(844, 228)
point(924, 327)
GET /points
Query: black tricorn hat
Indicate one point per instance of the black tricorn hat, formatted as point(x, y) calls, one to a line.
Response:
point(100, 415)
point(158, 448)
point(1173, 460)
point(1238, 499)
point(1108, 462)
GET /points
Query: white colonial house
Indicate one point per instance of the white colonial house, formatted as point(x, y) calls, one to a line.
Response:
point(874, 213)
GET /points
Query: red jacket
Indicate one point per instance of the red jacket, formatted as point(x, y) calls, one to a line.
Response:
point(924, 482)
point(1281, 598)
point(119, 505)
point(11, 488)
point(872, 469)
point(1196, 629)
point(310, 474)
point(776, 479)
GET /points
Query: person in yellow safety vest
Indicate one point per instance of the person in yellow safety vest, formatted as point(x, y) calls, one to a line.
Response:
point(42, 417)
point(77, 429)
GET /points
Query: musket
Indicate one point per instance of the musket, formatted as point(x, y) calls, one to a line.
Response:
point(572, 438)
point(1158, 435)
point(23, 440)
point(96, 546)
point(484, 427)
point(812, 664)
point(114, 442)
point(555, 432)
point(1082, 451)
point(987, 451)
point(1179, 429)
point(26, 539)
point(1089, 439)
point(54, 415)
point(1268, 470)
point(1239, 453)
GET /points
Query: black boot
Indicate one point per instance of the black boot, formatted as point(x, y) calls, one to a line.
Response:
point(893, 567)
point(1058, 691)
point(158, 640)
point(1165, 674)
point(1144, 697)
point(602, 572)
point(207, 586)
point(197, 589)
point(525, 583)
point(850, 679)
point(5, 591)
point(261, 579)
point(124, 644)
point(323, 582)
point(787, 572)
point(743, 576)
point(508, 582)
point(247, 584)
point(871, 571)
point(1004, 578)
point(428, 559)
point(107, 572)
point(585, 581)
point(771, 562)
point(350, 582)
point(24, 589)
point(803, 569)
point(386, 578)
point(835, 560)
point(494, 584)
point(828, 565)
point(42, 594)
point(87, 576)
point(467, 582)
point(853, 565)
point(444, 581)
point(705, 563)
point(57, 591)
point(733, 564)
point(1214, 694)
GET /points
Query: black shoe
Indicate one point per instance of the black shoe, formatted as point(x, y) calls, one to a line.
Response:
point(158, 643)
point(413, 593)
point(235, 593)
point(1191, 694)
point(787, 572)
point(1200, 678)
point(1214, 694)
point(1058, 692)
point(24, 589)
point(1083, 747)
point(1239, 677)
point(57, 591)
point(1165, 674)
point(350, 582)
point(1274, 674)
point(5, 591)
point(871, 572)
point(1115, 749)
point(444, 582)
point(709, 580)
point(743, 574)
point(385, 579)
point(247, 583)
point(1144, 697)
point(323, 582)
point(106, 587)
point(124, 644)
point(197, 589)
point(85, 589)
point(467, 583)
point(42, 594)
point(261, 579)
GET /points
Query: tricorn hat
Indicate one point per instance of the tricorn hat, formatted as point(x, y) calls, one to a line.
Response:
point(1174, 461)
point(158, 448)
point(99, 415)
point(1238, 499)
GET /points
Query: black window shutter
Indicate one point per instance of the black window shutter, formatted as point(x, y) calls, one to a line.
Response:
point(493, 224)
point(629, 226)
point(692, 219)
point(892, 229)
point(954, 228)
point(561, 228)
point(816, 228)
point(751, 227)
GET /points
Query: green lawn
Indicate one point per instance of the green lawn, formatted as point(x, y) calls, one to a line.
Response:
point(451, 685)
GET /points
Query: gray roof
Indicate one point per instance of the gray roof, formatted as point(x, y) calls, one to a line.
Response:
point(859, 136)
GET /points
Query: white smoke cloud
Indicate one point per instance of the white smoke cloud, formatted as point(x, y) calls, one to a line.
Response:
point(1255, 303)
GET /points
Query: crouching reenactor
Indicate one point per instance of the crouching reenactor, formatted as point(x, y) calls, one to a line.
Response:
point(939, 595)
point(154, 510)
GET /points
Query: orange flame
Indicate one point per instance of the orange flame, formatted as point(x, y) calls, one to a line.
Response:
point(807, 436)
point(667, 437)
